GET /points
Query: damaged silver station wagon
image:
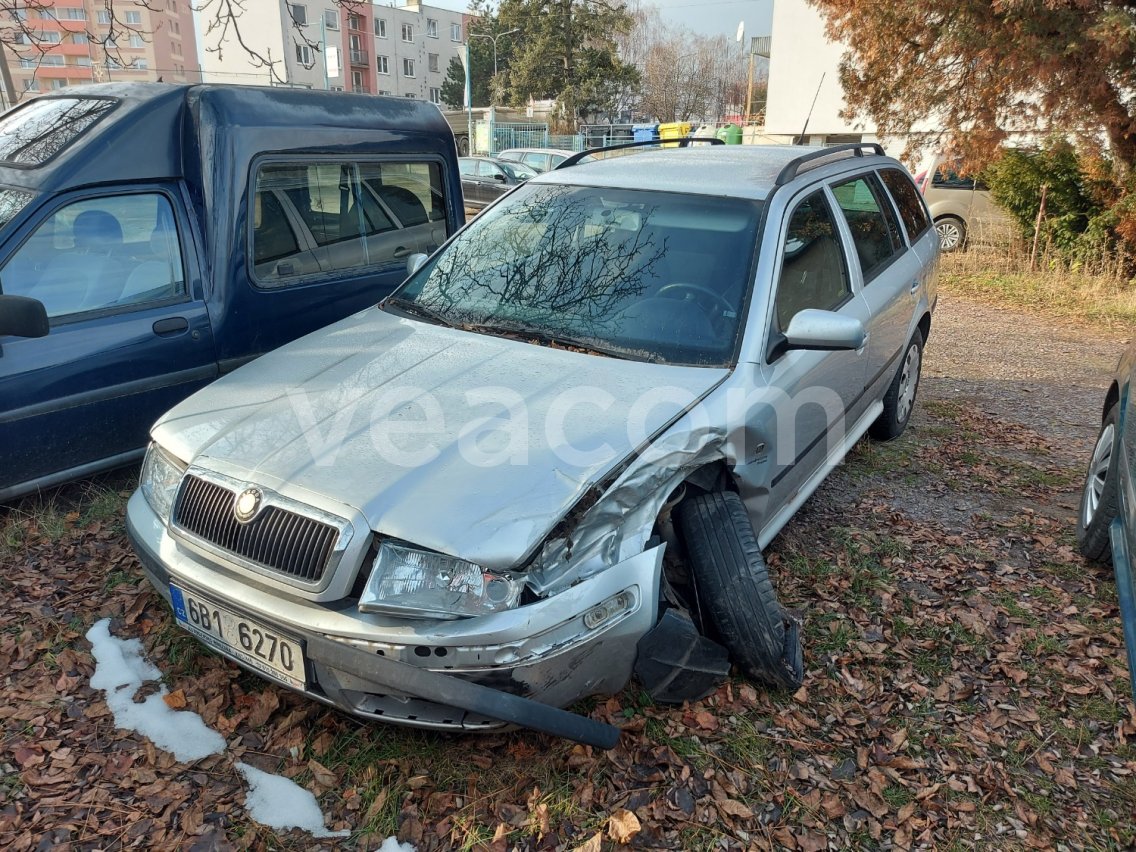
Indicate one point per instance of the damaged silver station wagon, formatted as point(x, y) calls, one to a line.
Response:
point(552, 457)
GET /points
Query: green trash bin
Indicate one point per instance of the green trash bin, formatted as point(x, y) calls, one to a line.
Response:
point(731, 134)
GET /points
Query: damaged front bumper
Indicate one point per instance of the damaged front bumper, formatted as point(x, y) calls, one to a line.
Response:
point(510, 668)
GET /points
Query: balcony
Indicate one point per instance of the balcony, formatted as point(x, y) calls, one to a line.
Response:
point(360, 57)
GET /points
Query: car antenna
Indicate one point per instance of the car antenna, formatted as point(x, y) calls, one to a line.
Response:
point(801, 138)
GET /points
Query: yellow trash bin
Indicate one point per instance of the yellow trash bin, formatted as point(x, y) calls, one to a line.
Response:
point(674, 130)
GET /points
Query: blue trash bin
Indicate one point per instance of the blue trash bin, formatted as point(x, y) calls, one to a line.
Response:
point(645, 132)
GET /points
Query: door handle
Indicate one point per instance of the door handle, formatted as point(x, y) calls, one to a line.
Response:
point(914, 288)
point(171, 326)
point(401, 251)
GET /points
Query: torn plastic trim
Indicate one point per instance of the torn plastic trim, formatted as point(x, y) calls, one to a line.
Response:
point(464, 695)
point(619, 524)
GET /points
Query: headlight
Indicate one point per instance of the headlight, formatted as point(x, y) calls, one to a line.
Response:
point(418, 583)
point(161, 474)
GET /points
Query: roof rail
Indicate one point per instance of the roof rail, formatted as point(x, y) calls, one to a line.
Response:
point(793, 167)
point(575, 158)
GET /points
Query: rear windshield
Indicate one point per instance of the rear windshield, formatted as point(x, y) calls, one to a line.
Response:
point(33, 134)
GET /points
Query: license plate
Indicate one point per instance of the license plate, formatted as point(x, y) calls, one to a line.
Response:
point(266, 650)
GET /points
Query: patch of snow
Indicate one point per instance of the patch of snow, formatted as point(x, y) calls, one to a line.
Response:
point(279, 802)
point(120, 670)
point(391, 844)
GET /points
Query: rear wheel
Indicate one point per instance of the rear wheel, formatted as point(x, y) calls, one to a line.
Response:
point(734, 591)
point(1099, 501)
point(899, 401)
point(952, 233)
point(463, 146)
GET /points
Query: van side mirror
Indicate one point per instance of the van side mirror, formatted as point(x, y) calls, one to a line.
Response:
point(21, 316)
point(414, 262)
point(825, 330)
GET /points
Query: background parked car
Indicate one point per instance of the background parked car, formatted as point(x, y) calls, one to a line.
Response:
point(485, 179)
point(538, 159)
point(959, 205)
point(1106, 522)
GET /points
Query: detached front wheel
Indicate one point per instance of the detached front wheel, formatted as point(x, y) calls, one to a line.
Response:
point(734, 590)
point(1099, 501)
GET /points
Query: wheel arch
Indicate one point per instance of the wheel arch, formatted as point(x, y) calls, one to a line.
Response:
point(1110, 399)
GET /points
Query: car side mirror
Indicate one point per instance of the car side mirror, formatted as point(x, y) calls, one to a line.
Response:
point(21, 316)
point(825, 330)
point(414, 262)
point(500, 178)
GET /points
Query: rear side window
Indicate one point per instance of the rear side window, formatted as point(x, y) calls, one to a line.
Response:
point(875, 242)
point(907, 200)
point(327, 219)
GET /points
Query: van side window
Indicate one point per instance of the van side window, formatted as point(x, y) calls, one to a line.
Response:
point(328, 218)
point(97, 254)
point(874, 241)
point(814, 273)
point(911, 209)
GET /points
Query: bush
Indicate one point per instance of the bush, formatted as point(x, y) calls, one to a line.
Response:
point(1081, 214)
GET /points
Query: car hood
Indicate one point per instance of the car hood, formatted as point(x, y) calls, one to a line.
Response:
point(463, 443)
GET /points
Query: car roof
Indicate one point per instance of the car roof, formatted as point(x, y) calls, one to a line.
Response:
point(742, 171)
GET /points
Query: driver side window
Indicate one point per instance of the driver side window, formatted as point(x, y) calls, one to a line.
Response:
point(814, 272)
point(100, 253)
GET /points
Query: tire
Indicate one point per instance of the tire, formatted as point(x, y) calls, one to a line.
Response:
point(952, 233)
point(899, 401)
point(463, 146)
point(1100, 498)
point(734, 591)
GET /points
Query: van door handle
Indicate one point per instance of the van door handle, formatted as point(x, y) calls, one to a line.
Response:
point(401, 251)
point(171, 326)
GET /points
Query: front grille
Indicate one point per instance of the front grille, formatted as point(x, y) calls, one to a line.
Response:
point(277, 538)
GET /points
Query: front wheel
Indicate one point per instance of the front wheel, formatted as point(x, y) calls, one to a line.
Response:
point(899, 401)
point(734, 589)
point(1099, 499)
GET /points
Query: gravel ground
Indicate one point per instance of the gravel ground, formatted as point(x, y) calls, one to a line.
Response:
point(1039, 380)
point(1044, 374)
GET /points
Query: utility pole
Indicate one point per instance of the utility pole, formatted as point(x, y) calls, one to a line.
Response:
point(6, 76)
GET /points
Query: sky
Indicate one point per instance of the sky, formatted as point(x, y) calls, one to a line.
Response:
point(708, 17)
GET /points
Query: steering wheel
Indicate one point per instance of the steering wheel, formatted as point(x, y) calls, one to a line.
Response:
point(698, 290)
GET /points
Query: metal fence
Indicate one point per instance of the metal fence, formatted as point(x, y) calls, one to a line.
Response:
point(495, 136)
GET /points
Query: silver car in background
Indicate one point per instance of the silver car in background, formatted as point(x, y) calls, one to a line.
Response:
point(552, 458)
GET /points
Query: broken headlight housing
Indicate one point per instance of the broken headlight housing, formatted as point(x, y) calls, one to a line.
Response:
point(161, 475)
point(422, 584)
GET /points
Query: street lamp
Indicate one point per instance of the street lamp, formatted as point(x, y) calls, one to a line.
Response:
point(493, 38)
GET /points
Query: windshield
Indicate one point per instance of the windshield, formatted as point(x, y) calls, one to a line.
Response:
point(12, 201)
point(651, 276)
point(519, 171)
point(33, 134)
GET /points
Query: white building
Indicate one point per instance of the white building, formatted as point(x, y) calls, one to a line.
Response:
point(804, 65)
point(402, 50)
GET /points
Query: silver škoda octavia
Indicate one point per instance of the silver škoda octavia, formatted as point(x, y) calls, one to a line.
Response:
point(552, 457)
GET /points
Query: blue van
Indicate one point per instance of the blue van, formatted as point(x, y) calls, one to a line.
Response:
point(154, 237)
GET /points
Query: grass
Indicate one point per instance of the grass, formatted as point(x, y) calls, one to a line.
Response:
point(1102, 295)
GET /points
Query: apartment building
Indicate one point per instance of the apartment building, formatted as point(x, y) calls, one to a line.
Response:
point(402, 50)
point(65, 43)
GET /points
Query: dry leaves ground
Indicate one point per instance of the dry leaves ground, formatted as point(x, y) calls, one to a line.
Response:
point(965, 687)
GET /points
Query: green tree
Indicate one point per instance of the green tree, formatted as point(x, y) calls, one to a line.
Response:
point(566, 50)
point(980, 69)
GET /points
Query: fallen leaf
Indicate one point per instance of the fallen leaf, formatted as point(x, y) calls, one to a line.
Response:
point(175, 700)
point(623, 826)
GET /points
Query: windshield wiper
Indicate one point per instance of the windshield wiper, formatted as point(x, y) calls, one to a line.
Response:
point(409, 307)
point(546, 338)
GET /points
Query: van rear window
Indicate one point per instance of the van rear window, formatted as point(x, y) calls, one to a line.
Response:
point(33, 134)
